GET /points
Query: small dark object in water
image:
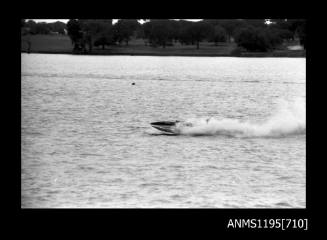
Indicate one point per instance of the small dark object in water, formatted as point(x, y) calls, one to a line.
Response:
point(133, 83)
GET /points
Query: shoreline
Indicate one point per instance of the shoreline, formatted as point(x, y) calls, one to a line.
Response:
point(289, 54)
point(49, 44)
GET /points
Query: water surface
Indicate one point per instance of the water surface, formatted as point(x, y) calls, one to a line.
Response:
point(87, 142)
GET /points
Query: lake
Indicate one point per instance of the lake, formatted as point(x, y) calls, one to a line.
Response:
point(86, 138)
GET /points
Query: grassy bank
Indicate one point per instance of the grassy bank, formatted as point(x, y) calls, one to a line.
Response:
point(62, 44)
point(47, 44)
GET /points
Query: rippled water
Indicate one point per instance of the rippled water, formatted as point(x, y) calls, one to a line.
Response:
point(87, 142)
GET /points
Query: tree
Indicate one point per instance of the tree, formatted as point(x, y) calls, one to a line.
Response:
point(175, 29)
point(124, 29)
point(273, 37)
point(283, 26)
point(75, 33)
point(37, 28)
point(139, 33)
point(158, 32)
point(42, 28)
point(58, 27)
point(294, 24)
point(24, 32)
point(162, 32)
point(231, 26)
point(291, 28)
point(251, 39)
point(199, 31)
point(31, 25)
point(184, 35)
point(95, 29)
point(23, 27)
point(298, 27)
point(301, 32)
point(257, 39)
point(146, 32)
point(105, 38)
point(218, 35)
point(285, 34)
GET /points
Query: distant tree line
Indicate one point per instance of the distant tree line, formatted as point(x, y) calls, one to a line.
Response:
point(32, 27)
point(86, 33)
point(257, 35)
point(249, 34)
point(254, 36)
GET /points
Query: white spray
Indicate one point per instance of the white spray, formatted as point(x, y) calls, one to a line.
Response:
point(289, 119)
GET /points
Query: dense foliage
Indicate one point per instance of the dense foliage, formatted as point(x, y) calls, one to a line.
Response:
point(248, 34)
point(43, 28)
point(257, 39)
point(124, 29)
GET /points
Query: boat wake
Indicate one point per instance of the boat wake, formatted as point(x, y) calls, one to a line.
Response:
point(288, 120)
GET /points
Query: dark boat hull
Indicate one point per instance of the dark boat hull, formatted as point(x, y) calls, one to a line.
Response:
point(165, 126)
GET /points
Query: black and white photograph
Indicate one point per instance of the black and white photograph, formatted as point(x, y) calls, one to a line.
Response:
point(163, 113)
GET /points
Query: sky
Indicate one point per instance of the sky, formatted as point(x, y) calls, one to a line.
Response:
point(114, 20)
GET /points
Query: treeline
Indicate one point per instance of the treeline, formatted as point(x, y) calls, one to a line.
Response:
point(249, 34)
point(32, 27)
point(86, 33)
point(257, 37)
